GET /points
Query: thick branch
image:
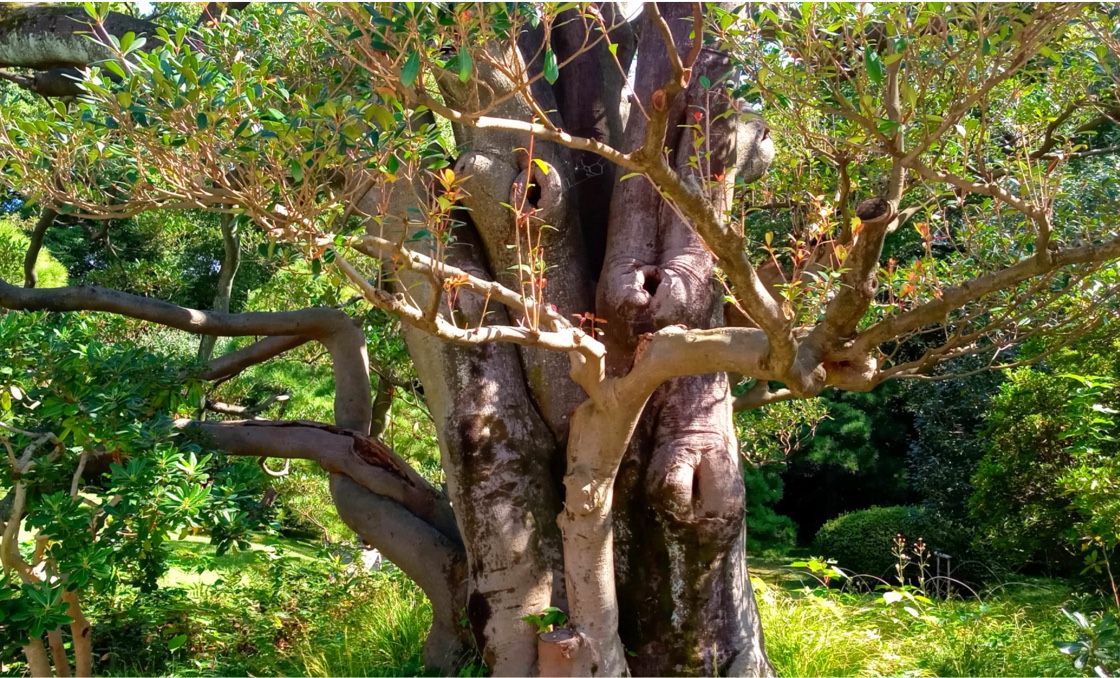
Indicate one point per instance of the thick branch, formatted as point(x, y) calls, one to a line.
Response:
point(333, 328)
point(367, 461)
point(235, 362)
point(46, 37)
point(46, 220)
point(761, 395)
point(313, 322)
point(936, 310)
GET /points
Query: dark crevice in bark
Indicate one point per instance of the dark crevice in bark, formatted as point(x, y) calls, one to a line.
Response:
point(589, 102)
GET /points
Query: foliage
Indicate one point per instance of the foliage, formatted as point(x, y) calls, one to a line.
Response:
point(1096, 651)
point(861, 541)
point(546, 620)
point(946, 447)
point(277, 608)
point(100, 479)
point(13, 247)
point(1092, 482)
point(173, 255)
point(766, 528)
point(854, 458)
point(1041, 452)
point(767, 436)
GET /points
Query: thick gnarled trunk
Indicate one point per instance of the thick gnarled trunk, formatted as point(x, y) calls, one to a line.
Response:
point(654, 572)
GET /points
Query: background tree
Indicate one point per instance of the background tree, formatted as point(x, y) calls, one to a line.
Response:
point(555, 201)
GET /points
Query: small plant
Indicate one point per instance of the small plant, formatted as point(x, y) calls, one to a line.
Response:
point(547, 620)
point(823, 570)
point(1096, 651)
point(921, 559)
point(901, 558)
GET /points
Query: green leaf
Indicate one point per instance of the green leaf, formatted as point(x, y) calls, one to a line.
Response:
point(551, 69)
point(411, 69)
point(384, 117)
point(874, 64)
point(705, 81)
point(465, 64)
point(114, 67)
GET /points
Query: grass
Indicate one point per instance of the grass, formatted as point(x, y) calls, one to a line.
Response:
point(287, 610)
point(810, 631)
point(281, 607)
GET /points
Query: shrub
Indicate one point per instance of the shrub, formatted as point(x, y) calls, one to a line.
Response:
point(861, 541)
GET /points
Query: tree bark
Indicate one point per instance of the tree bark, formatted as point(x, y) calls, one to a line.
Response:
point(496, 449)
point(46, 220)
point(231, 260)
point(81, 636)
point(37, 660)
point(647, 554)
point(685, 600)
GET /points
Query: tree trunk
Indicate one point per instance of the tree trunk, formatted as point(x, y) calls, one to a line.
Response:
point(673, 550)
point(231, 260)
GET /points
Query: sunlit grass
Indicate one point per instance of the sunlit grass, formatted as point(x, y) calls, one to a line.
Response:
point(811, 632)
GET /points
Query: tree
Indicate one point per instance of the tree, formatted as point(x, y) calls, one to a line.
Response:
point(556, 202)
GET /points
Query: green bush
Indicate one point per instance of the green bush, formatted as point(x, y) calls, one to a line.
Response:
point(13, 247)
point(861, 541)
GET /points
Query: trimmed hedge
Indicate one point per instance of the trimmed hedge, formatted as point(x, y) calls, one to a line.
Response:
point(861, 541)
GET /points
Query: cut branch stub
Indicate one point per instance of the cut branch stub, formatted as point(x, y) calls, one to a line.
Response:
point(556, 652)
point(875, 211)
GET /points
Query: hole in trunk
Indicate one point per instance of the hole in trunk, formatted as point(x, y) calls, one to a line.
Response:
point(651, 278)
point(533, 198)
